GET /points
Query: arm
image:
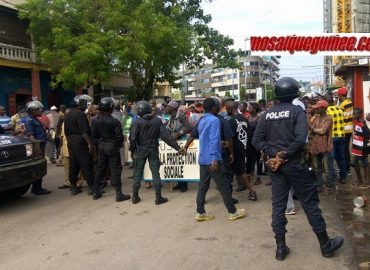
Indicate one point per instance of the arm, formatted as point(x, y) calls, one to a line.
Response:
point(300, 132)
point(119, 133)
point(324, 128)
point(214, 139)
point(165, 135)
point(94, 132)
point(133, 136)
point(259, 142)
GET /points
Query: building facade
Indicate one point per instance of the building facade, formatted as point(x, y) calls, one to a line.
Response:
point(253, 73)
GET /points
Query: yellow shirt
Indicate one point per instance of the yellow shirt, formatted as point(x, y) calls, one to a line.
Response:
point(347, 107)
point(338, 122)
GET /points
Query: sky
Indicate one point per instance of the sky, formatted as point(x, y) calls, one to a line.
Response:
point(240, 19)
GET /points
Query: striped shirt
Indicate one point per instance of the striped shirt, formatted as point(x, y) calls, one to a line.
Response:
point(338, 121)
point(347, 108)
point(361, 136)
point(5, 121)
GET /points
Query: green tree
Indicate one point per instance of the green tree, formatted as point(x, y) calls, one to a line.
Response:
point(83, 41)
point(227, 94)
point(242, 93)
point(270, 93)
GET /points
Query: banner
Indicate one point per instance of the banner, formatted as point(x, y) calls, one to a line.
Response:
point(175, 167)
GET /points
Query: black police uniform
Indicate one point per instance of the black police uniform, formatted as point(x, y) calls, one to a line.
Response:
point(144, 137)
point(284, 128)
point(108, 136)
point(76, 124)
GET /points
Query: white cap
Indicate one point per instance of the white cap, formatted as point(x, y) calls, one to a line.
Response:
point(53, 108)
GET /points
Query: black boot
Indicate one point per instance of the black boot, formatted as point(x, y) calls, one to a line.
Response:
point(159, 199)
point(135, 197)
point(75, 190)
point(282, 250)
point(120, 197)
point(91, 191)
point(329, 246)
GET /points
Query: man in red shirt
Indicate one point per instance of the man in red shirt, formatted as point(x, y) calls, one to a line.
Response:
point(361, 136)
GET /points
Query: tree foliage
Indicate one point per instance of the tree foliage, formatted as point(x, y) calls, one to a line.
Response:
point(83, 41)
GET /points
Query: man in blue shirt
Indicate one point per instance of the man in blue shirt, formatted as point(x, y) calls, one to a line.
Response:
point(210, 162)
point(36, 132)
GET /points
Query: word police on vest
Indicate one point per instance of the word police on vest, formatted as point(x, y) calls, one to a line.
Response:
point(278, 115)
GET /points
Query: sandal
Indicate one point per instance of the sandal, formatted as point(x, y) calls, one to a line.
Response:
point(252, 196)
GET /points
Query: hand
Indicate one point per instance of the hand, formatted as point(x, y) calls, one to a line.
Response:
point(274, 164)
point(214, 166)
point(91, 149)
point(182, 151)
point(176, 135)
point(281, 154)
point(231, 158)
point(224, 144)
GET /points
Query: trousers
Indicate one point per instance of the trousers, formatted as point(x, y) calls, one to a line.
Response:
point(151, 154)
point(108, 157)
point(80, 159)
point(295, 174)
point(222, 182)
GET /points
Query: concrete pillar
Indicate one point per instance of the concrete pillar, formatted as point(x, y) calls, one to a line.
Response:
point(36, 86)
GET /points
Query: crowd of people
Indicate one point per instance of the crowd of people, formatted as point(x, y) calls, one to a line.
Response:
point(94, 142)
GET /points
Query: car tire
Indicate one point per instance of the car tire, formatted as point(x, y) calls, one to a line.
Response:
point(13, 193)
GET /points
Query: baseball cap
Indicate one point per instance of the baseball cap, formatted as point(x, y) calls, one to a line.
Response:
point(173, 104)
point(321, 104)
point(53, 108)
point(342, 91)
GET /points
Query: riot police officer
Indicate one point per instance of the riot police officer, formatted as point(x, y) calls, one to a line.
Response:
point(281, 134)
point(80, 146)
point(108, 135)
point(144, 137)
point(36, 132)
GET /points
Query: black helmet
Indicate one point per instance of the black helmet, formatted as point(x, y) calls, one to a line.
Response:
point(34, 105)
point(106, 104)
point(143, 108)
point(287, 88)
point(82, 100)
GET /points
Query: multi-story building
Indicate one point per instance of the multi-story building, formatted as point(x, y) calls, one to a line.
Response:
point(254, 72)
point(343, 16)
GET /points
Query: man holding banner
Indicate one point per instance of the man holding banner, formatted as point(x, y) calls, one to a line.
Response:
point(144, 141)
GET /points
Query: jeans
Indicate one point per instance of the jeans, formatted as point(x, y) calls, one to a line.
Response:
point(222, 182)
point(294, 174)
point(322, 162)
point(339, 155)
point(151, 154)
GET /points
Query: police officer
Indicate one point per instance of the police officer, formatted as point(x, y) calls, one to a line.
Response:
point(36, 132)
point(281, 135)
point(108, 135)
point(144, 137)
point(80, 146)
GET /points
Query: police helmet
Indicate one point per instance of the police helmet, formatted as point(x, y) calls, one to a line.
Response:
point(34, 105)
point(82, 100)
point(143, 108)
point(287, 88)
point(106, 104)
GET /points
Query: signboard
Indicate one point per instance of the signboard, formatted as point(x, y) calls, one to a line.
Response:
point(175, 167)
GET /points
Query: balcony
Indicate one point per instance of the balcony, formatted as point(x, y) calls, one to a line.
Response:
point(16, 53)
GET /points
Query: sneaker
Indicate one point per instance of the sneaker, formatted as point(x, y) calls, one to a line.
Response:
point(239, 213)
point(203, 217)
point(290, 212)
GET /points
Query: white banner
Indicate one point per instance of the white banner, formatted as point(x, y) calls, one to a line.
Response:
point(175, 167)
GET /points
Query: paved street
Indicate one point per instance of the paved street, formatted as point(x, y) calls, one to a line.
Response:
point(64, 232)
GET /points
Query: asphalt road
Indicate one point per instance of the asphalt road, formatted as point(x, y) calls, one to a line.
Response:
point(58, 231)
